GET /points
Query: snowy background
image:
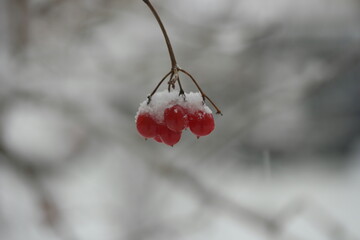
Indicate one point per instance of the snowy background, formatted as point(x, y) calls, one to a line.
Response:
point(283, 162)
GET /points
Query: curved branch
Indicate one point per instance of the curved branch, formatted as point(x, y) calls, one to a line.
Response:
point(167, 39)
point(204, 96)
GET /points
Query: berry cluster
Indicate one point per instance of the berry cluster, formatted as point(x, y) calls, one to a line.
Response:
point(166, 114)
point(169, 114)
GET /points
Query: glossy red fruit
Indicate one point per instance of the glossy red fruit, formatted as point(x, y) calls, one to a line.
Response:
point(146, 125)
point(201, 123)
point(168, 136)
point(175, 118)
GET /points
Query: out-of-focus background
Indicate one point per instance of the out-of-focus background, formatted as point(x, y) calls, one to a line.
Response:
point(282, 163)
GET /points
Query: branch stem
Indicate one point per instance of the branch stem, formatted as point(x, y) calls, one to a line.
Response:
point(167, 39)
point(175, 69)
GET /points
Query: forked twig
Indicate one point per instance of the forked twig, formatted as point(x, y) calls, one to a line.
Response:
point(175, 69)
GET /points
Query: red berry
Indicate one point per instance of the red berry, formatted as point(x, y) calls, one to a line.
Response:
point(146, 125)
point(168, 136)
point(158, 139)
point(201, 123)
point(175, 118)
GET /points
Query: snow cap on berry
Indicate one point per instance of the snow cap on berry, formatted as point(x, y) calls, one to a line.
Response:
point(194, 102)
point(164, 99)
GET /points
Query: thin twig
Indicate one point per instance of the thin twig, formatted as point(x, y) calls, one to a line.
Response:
point(181, 88)
point(167, 39)
point(204, 96)
point(174, 67)
point(156, 88)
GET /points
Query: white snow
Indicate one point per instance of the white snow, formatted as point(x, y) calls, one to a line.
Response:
point(164, 99)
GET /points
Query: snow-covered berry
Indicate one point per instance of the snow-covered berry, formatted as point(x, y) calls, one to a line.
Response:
point(169, 113)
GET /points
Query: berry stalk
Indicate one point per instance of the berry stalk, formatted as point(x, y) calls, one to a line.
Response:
point(167, 39)
point(175, 69)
